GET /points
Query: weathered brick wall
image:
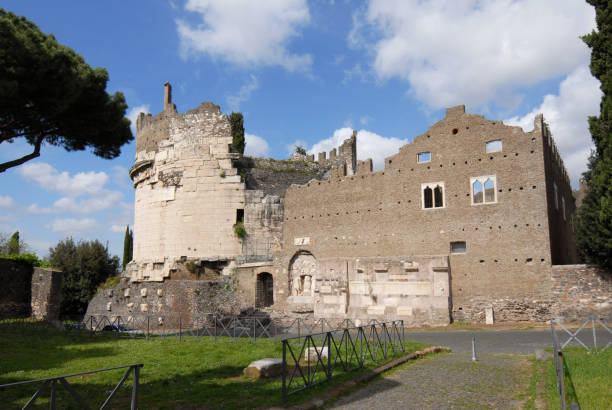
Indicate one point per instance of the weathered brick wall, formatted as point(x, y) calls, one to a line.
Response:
point(561, 205)
point(46, 293)
point(16, 289)
point(579, 291)
point(187, 298)
point(508, 255)
point(29, 291)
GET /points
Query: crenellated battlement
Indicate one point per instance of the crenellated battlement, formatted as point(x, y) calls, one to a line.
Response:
point(343, 160)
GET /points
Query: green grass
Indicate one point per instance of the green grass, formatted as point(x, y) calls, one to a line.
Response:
point(587, 379)
point(193, 373)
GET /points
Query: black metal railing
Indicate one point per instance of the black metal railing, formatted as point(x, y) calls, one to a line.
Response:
point(316, 358)
point(251, 327)
point(558, 363)
point(51, 383)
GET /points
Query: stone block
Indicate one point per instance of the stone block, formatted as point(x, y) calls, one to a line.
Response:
point(376, 310)
point(144, 307)
point(325, 289)
point(160, 292)
point(404, 311)
point(264, 368)
point(334, 299)
point(315, 353)
point(109, 306)
point(489, 319)
point(126, 293)
point(143, 292)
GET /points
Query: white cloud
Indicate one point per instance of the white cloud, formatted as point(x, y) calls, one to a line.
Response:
point(103, 200)
point(244, 94)
point(51, 179)
point(35, 209)
point(133, 115)
point(73, 226)
point(118, 228)
point(256, 146)
point(566, 113)
point(476, 51)
point(246, 32)
point(6, 201)
point(369, 145)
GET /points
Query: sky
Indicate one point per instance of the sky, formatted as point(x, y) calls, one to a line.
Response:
point(302, 73)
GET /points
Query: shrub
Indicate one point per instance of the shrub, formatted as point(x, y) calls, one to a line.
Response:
point(239, 230)
point(28, 258)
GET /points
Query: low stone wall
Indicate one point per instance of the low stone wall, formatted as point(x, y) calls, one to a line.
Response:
point(16, 291)
point(504, 310)
point(46, 293)
point(580, 291)
point(28, 291)
point(187, 298)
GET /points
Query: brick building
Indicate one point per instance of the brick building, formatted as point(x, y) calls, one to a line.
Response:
point(472, 214)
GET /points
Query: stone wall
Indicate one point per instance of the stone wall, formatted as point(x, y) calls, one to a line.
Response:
point(187, 298)
point(29, 291)
point(412, 288)
point(46, 293)
point(507, 254)
point(16, 289)
point(580, 291)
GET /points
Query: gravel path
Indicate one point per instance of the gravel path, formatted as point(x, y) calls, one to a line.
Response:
point(447, 381)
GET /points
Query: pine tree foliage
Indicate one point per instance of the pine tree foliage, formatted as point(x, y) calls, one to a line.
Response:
point(594, 218)
point(50, 95)
point(84, 265)
point(237, 125)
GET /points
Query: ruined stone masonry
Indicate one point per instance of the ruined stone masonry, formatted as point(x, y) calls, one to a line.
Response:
point(472, 216)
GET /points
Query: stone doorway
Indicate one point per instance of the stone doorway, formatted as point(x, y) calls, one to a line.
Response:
point(264, 292)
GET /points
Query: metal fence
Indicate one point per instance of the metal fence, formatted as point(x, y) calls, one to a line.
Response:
point(315, 358)
point(51, 383)
point(251, 327)
point(573, 336)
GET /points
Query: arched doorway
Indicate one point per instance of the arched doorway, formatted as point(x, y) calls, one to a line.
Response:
point(264, 290)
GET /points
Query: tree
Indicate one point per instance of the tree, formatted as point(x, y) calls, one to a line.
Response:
point(128, 246)
point(49, 94)
point(13, 244)
point(85, 266)
point(237, 124)
point(594, 218)
point(300, 150)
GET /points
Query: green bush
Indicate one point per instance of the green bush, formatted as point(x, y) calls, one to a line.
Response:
point(239, 230)
point(28, 258)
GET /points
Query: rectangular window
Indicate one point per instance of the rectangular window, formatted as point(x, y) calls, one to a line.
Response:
point(458, 247)
point(239, 216)
point(494, 146)
point(483, 189)
point(432, 195)
point(424, 157)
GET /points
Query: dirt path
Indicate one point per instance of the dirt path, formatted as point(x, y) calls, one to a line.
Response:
point(448, 381)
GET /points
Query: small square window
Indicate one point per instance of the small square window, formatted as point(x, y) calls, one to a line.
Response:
point(494, 146)
point(458, 247)
point(239, 216)
point(424, 157)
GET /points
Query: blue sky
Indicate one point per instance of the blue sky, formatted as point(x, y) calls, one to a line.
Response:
point(302, 72)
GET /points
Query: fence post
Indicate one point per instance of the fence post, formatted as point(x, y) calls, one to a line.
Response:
point(134, 405)
point(180, 328)
point(594, 333)
point(329, 353)
point(91, 329)
point(254, 335)
point(284, 372)
point(148, 324)
point(215, 320)
point(299, 334)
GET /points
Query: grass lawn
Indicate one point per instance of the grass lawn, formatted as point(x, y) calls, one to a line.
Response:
point(189, 374)
point(588, 379)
